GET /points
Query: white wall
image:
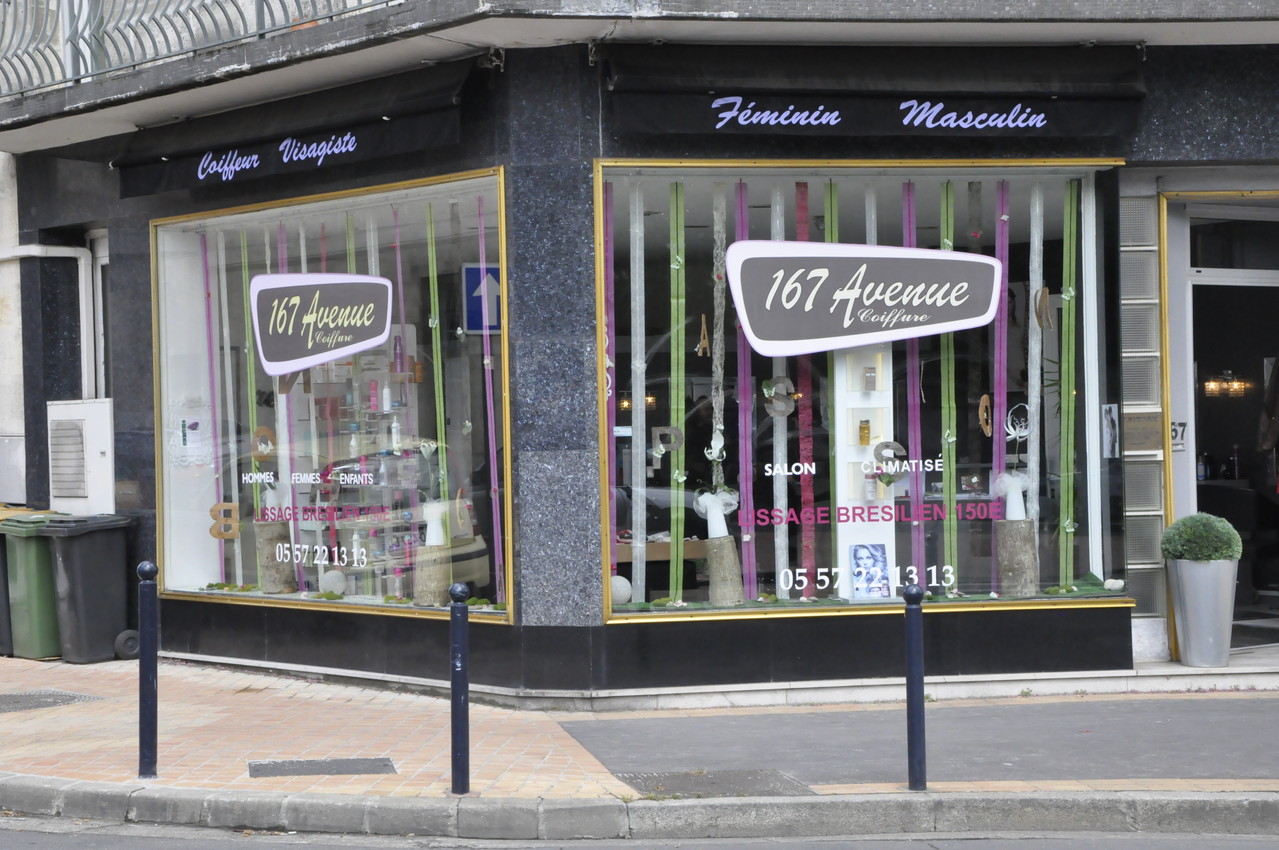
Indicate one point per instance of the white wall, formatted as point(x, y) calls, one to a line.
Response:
point(10, 308)
point(12, 443)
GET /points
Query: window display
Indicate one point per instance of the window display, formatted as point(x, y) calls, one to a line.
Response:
point(746, 474)
point(331, 377)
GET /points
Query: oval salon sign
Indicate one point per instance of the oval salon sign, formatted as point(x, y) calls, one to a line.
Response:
point(805, 297)
point(303, 320)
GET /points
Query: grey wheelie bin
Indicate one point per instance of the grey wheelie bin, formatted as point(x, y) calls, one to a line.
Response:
point(33, 610)
point(90, 573)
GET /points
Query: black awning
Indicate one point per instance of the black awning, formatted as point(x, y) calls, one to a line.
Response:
point(320, 112)
point(875, 91)
point(326, 129)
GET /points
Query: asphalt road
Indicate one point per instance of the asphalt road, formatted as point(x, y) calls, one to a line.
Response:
point(1087, 738)
point(30, 833)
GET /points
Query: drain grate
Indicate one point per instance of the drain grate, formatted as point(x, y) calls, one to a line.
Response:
point(44, 698)
point(717, 783)
point(320, 767)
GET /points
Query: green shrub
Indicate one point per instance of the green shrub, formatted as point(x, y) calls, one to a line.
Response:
point(1201, 537)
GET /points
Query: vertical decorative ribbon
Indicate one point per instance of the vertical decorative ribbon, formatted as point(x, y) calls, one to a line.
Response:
point(678, 342)
point(437, 351)
point(410, 426)
point(804, 381)
point(831, 232)
point(213, 381)
point(499, 560)
point(610, 377)
point(949, 420)
point(350, 244)
point(914, 401)
point(780, 375)
point(229, 388)
point(639, 412)
point(745, 422)
point(719, 286)
point(719, 238)
point(286, 411)
point(1066, 384)
point(999, 412)
point(329, 412)
point(1034, 351)
point(251, 376)
point(1000, 405)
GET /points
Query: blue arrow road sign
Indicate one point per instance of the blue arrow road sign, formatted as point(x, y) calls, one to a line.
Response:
point(476, 291)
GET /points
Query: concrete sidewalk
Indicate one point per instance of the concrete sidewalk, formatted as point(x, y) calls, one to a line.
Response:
point(1160, 748)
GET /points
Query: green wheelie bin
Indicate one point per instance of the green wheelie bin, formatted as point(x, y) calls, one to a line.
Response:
point(33, 609)
point(6, 630)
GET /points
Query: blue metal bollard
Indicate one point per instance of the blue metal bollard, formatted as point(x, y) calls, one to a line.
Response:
point(915, 749)
point(148, 646)
point(459, 693)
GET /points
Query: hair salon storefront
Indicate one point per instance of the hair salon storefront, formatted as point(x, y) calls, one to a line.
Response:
point(535, 379)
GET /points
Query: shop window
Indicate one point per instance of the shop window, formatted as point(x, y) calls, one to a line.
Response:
point(370, 479)
point(748, 483)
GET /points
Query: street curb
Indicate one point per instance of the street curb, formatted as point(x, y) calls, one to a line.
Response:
point(1238, 813)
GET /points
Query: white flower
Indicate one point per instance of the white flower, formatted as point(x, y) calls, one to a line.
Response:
point(994, 595)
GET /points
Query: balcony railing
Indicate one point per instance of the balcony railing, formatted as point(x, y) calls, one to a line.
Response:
point(54, 42)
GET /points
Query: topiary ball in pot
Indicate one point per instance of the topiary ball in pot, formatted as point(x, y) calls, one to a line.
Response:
point(1201, 537)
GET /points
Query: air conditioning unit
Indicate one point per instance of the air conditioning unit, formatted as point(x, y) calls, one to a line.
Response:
point(82, 457)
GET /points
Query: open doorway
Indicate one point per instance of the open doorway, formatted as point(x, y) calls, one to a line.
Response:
point(1234, 299)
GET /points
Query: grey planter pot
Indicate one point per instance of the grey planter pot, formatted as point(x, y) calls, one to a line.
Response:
point(1203, 601)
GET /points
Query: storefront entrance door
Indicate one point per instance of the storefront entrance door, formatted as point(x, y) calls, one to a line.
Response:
point(1236, 429)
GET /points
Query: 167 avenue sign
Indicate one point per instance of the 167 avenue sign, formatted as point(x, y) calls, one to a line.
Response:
point(804, 297)
point(303, 320)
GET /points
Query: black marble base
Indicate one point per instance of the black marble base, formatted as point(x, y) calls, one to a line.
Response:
point(657, 655)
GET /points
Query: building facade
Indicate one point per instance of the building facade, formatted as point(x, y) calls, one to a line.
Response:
point(426, 313)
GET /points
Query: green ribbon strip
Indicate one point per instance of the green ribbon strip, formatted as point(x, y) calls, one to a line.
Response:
point(1066, 386)
point(949, 420)
point(437, 359)
point(350, 244)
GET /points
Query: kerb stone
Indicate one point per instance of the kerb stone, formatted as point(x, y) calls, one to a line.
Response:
point(33, 795)
point(106, 800)
point(568, 819)
point(511, 818)
point(245, 809)
point(411, 816)
point(167, 805)
point(324, 813)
